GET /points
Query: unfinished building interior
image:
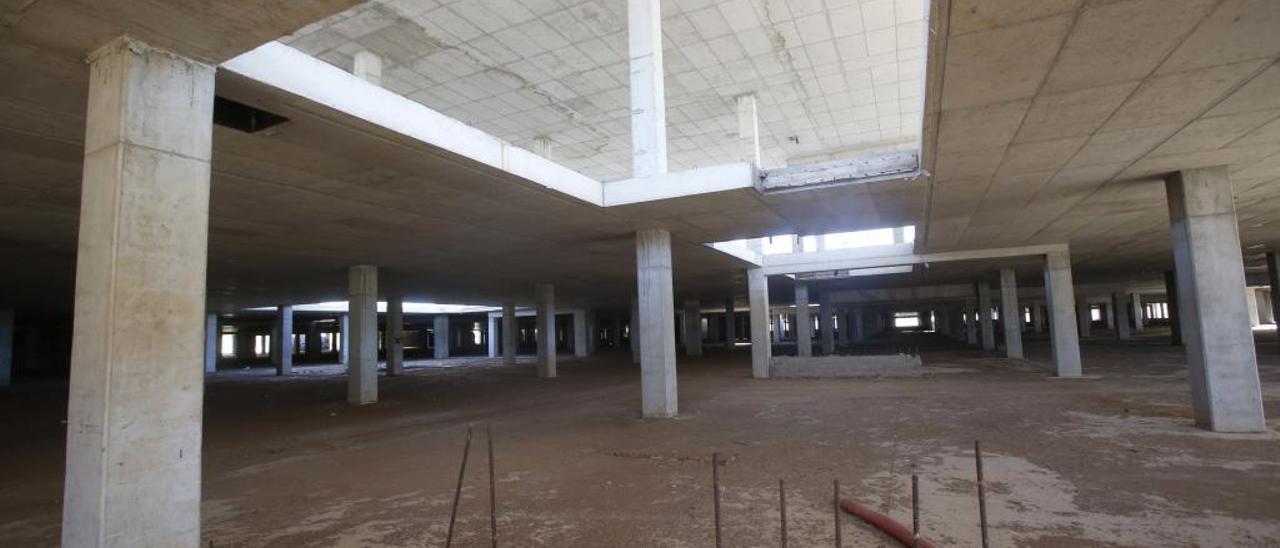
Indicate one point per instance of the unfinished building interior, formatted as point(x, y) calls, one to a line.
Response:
point(482, 272)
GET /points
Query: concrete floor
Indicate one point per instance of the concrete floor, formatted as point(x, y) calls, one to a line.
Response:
point(1109, 461)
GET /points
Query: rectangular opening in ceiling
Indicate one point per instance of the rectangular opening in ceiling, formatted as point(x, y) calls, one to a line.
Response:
point(239, 116)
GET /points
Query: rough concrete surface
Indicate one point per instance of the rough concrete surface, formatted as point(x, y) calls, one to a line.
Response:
point(1111, 461)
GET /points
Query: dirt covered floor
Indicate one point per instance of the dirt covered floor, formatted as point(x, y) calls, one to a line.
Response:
point(1111, 460)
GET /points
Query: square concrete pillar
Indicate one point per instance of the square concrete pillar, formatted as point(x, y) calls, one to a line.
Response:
point(730, 325)
point(393, 342)
point(692, 327)
point(1010, 313)
point(1084, 316)
point(1061, 302)
point(580, 337)
point(804, 322)
point(648, 94)
point(971, 321)
point(509, 335)
point(1175, 318)
point(546, 330)
point(1263, 299)
point(362, 306)
point(1225, 390)
point(1037, 317)
point(491, 332)
point(282, 341)
point(1251, 303)
point(1120, 304)
point(6, 346)
point(344, 337)
point(137, 385)
point(826, 325)
point(984, 316)
point(1138, 312)
point(440, 339)
point(758, 301)
point(210, 346)
point(313, 340)
point(615, 332)
point(657, 324)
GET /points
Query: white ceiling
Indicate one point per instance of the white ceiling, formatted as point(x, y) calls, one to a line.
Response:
point(841, 77)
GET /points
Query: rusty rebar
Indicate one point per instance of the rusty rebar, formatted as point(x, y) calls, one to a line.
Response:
point(835, 503)
point(493, 491)
point(782, 509)
point(715, 485)
point(982, 494)
point(457, 493)
point(915, 511)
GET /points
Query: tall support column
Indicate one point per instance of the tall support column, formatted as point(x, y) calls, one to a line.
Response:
point(1175, 317)
point(136, 392)
point(1060, 299)
point(510, 336)
point(1037, 317)
point(633, 330)
point(1119, 303)
point(615, 332)
point(730, 325)
point(692, 327)
point(1138, 312)
point(1225, 390)
point(1010, 313)
point(1265, 314)
point(657, 321)
point(580, 333)
point(971, 321)
point(362, 305)
point(282, 341)
point(648, 96)
point(491, 329)
point(440, 336)
point(393, 342)
point(804, 322)
point(6, 346)
point(826, 325)
point(210, 346)
point(1109, 313)
point(313, 340)
point(1084, 316)
point(546, 335)
point(1251, 304)
point(758, 301)
point(776, 319)
point(344, 337)
point(984, 315)
point(1273, 279)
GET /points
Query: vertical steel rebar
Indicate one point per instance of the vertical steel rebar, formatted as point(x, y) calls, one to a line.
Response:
point(457, 493)
point(915, 511)
point(715, 485)
point(782, 509)
point(982, 494)
point(835, 504)
point(493, 492)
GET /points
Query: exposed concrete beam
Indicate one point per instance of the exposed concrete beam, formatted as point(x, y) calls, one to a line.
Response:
point(648, 93)
point(890, 255)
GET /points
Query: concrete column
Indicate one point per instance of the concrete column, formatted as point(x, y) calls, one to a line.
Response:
point(1109, 313)
point(1060, 299)
point(1138, 313)
point(826, 326)
point(362, 305)
point(1273, 278)
point(633, 330)
point(615, 332)
point(440, 336)
point(210, 346)
point(136, 391)
point(492, 330)
point(1225, 390)
point(971, 321)
point(344, 329)
point(367, 66)
point(776, 319)
point(758, 301)
point(692, 328)
point(580, 334)
point(1037, 317)
point(984, 314)
point(648, 97)
point(1175, 318)
point(657, 320)
point(1265, 314)
point(282, 341)
point(859, 326)
point(6, 346)
point(546, 337)
point(1251, 304)
point(313, 340)
point(730, 325)
point(393, 343)
point(1120, 305)
point(748, 129)
point(1010, 313)
point(804, 322)
point(1084, 316)
point(510, 336)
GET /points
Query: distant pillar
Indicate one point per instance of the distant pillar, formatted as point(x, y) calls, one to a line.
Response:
point(440, 336)
point(510, 335)
point(1175, 319)
point(1225, 391)
point(730, 325)
point(1109, 313)
point(344, 338)
point(491, 329)
point(984, 314)
point(362, 368)
point(1139, 317)
point(657, 321)
point(6, 346)
point(1010, 313)
point(1120, 304)
point(313, 349)
point(1084, 315)
point(971, 321)
point(826, 325)
point(758, 301)
point(804, 323)
point(393, 341)
point(546, 330)
point(282, 344)
point(580, 334)
point(776, 319)
point(692, 327)
point(1037, 316)
point(210, 345)
point(1273, 279)
point(1251, 303)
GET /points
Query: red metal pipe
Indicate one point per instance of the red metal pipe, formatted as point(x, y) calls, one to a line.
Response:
point(898, 531)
